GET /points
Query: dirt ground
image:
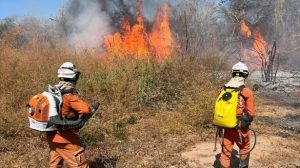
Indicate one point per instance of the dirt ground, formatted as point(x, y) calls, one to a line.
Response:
point(151, 143)
point(278, 139)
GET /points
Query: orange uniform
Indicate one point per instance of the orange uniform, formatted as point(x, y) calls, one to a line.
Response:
point(65, 144)
point(231, 136)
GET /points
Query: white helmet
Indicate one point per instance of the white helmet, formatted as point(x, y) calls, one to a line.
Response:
point(240, 68)
point(68, 71)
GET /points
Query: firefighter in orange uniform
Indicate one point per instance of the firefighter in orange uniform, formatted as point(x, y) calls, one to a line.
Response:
point(245, 114)
point(65, 144)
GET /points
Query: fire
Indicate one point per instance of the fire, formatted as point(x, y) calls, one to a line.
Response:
point(135, 41)
point(258, 52)
point(161, 36)
point(259, 43)
point(245, 29)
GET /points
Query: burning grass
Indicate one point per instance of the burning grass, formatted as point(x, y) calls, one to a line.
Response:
point(134, 41)
point(141, 100)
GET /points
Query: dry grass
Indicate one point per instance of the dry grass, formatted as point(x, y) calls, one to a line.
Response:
point(295, 96)
point(150, 111)
point(141, 100)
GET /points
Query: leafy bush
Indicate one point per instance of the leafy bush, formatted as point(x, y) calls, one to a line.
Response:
point(119, 129)
point(91, 137)
point(121, 134)
point(132, 120)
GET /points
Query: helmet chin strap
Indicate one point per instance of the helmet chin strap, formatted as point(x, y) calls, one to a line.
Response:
point(66, 84)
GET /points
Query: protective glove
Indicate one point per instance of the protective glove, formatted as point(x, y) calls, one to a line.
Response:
point(246, 121)
point(95, 106)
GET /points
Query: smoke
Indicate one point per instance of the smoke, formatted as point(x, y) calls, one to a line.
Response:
point(277, 20)
point(117, 9)
point(150, 8)
point(85, 24)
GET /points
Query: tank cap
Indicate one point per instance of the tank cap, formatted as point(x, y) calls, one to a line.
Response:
point(31, 110)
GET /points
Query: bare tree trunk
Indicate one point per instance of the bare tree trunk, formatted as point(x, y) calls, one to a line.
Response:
point(186, 32)
point(277, 66)
point(268, 64)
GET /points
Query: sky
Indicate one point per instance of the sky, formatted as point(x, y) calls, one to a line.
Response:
point(42, 9)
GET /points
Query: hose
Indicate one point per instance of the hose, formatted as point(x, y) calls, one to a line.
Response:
point(239, 154)
point(66, 124)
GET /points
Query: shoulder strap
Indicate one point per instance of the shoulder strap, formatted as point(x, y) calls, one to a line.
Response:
point(67, 91)
point(241, 87)
point(241, 92)
point(56, 92)
point(234, 88)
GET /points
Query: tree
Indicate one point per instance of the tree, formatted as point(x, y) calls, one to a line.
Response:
point(198, 27)
point(7, 24)
point(277, 20)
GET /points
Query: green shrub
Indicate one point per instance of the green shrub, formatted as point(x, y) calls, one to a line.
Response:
point(119, 129)
point(132, 120)
point(121, 134)
point(121, 123)
point(91, 137)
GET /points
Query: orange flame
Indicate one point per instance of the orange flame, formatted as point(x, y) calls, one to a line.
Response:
point(259, 43)
point(259, 50)
point(245, 29)
point(161, 36)
point(136, 42)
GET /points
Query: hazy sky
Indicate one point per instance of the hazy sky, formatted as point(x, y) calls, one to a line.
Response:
point(42, 9)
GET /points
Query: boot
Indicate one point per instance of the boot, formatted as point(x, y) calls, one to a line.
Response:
point(245, 166)
point(244, 163)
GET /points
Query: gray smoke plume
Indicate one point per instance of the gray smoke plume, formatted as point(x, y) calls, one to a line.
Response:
point(117, 9)
point(85, 24)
